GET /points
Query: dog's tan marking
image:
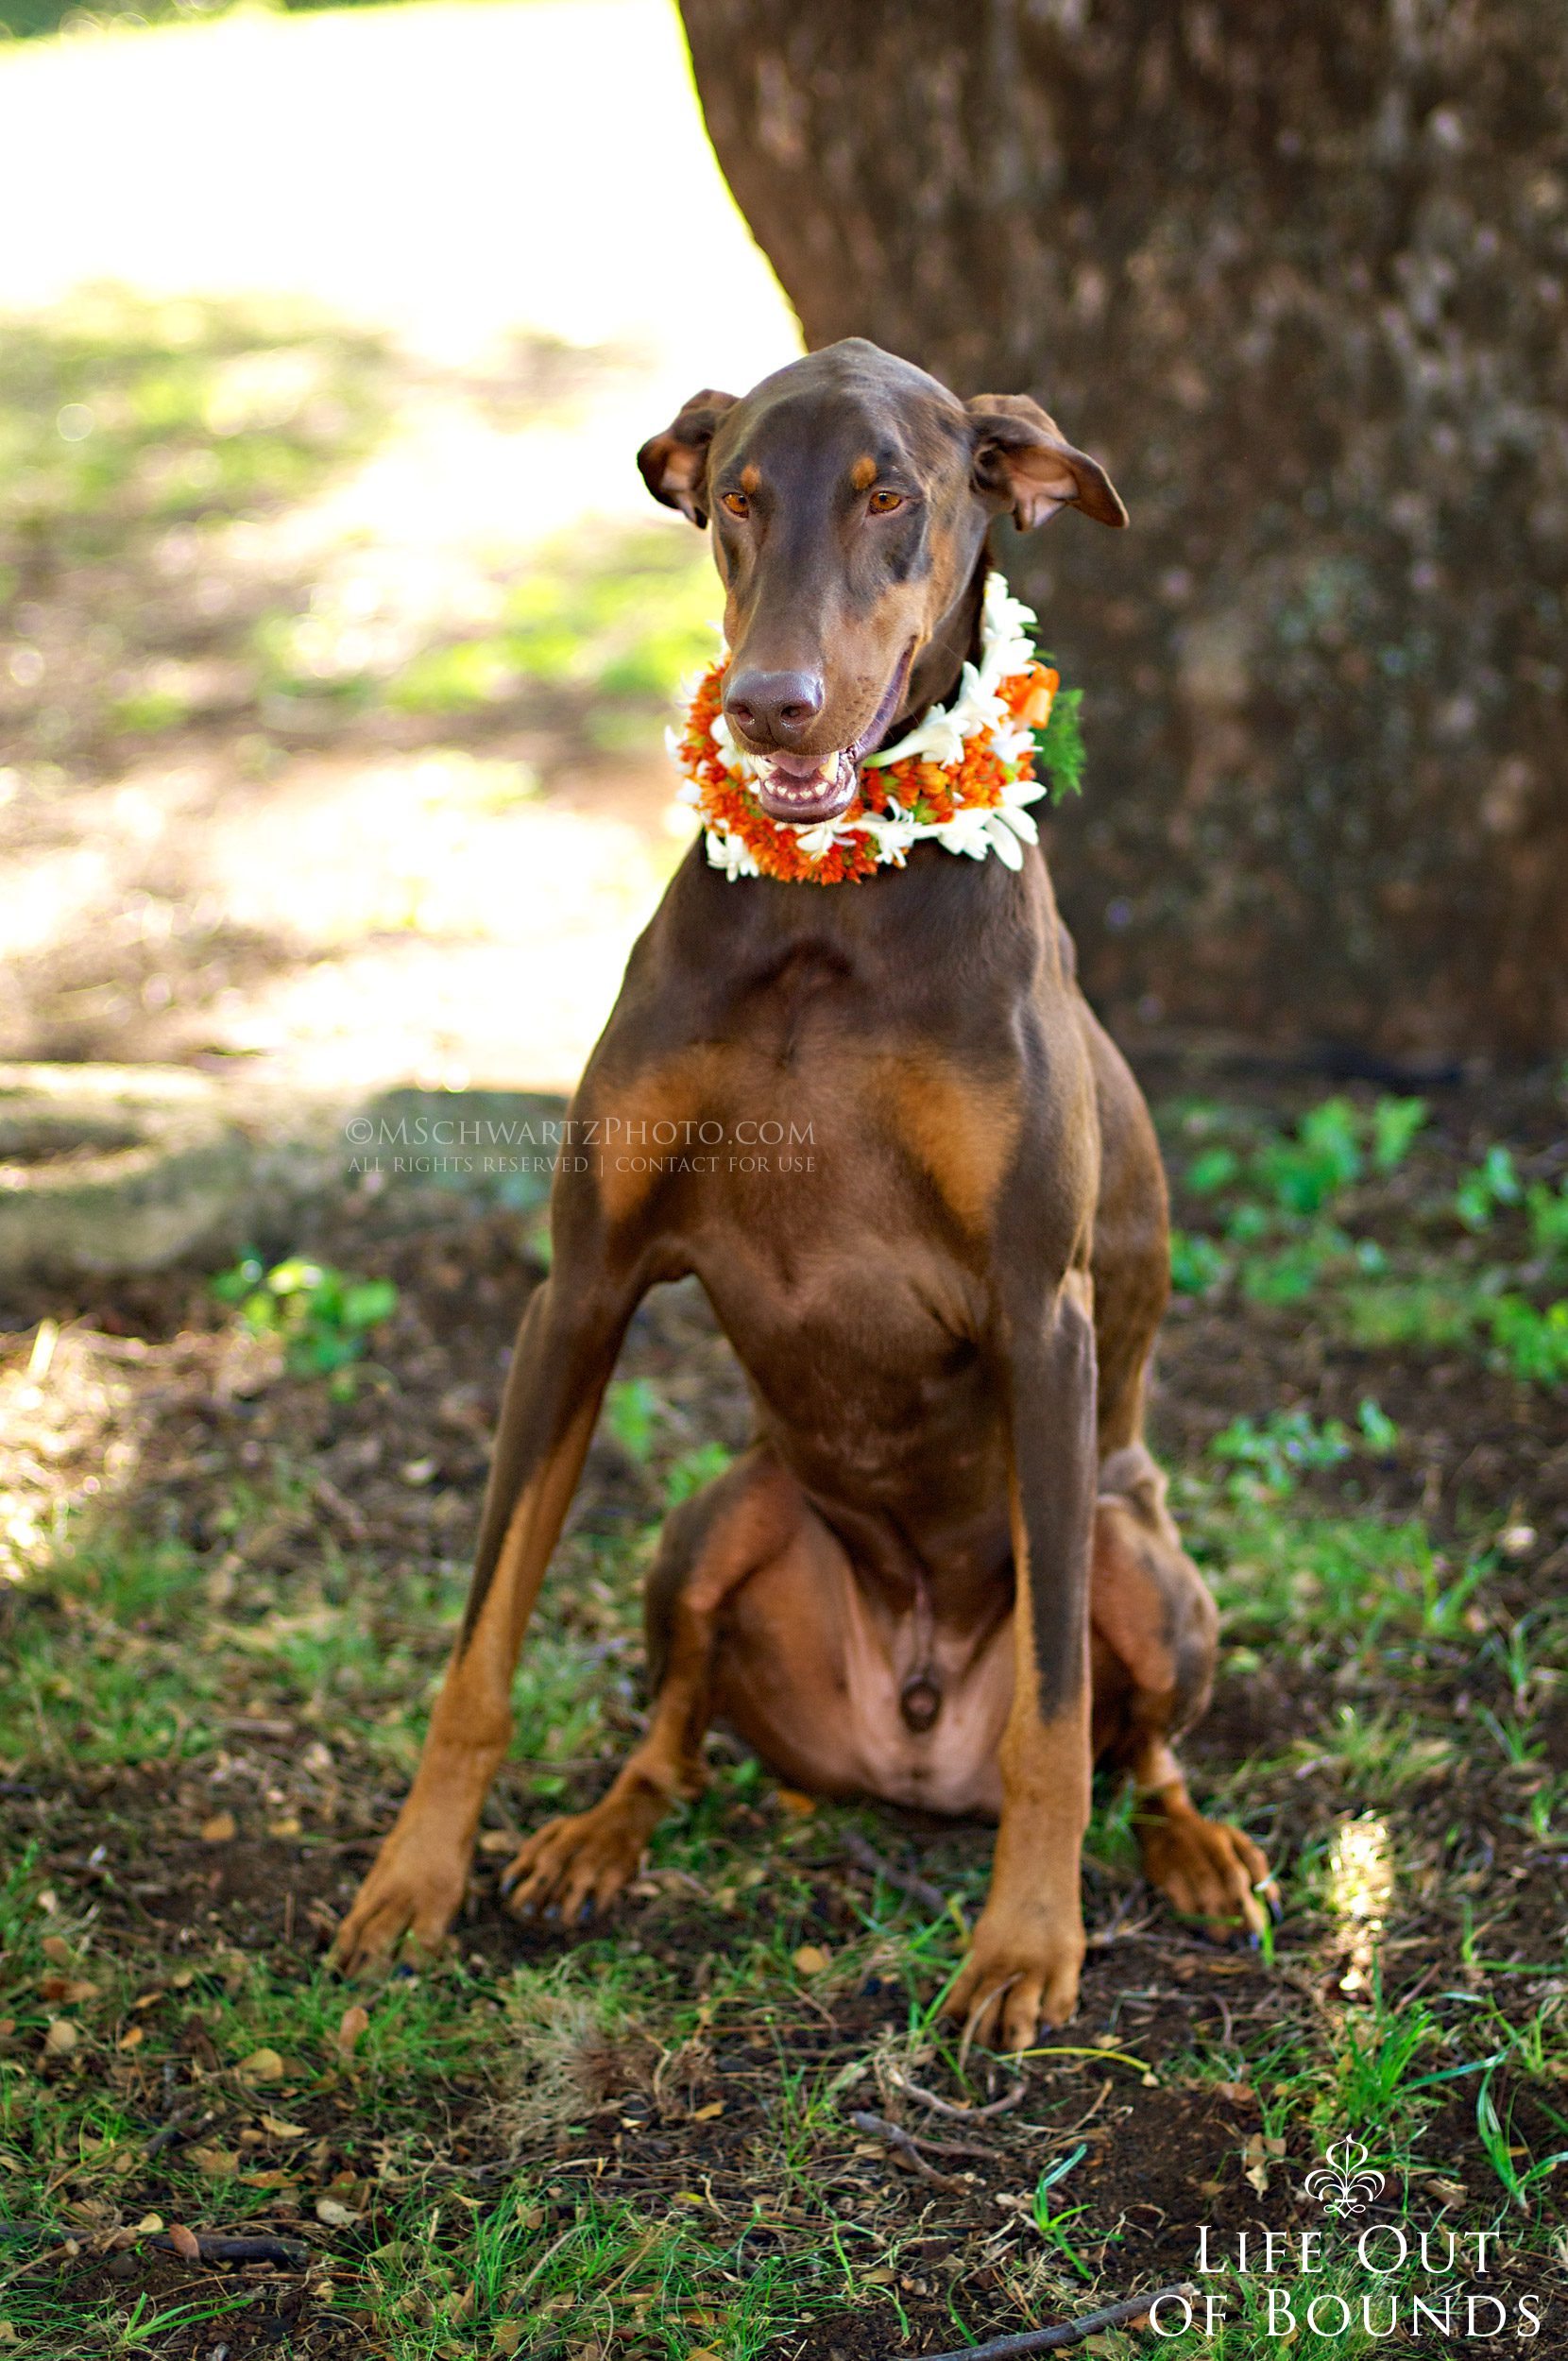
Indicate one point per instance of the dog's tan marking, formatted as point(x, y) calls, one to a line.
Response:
point(416, 1883)
point(751, 480)
point(864, 473)
point(1028, 1948)
point(961, 1131)
point(630, 1148)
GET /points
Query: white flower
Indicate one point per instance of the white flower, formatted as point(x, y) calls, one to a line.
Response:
point(966, 831)
point(820, 838)
point(1021, 823)
point(892, 836)
point(732, 854)
point(1002, 841)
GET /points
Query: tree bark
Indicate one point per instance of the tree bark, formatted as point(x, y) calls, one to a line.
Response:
point(1298, 276)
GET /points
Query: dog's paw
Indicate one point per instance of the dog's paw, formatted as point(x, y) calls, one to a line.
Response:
point(1021, 1972)
point(575, 1864)
point(1207, 1870)
point(410, 1897)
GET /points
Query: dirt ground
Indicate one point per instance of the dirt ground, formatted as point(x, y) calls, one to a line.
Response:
point(700, 2062)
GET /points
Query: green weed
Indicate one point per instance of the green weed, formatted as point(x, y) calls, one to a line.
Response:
point(323, 1318)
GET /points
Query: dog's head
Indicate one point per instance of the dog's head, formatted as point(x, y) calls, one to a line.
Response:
point(849, 496)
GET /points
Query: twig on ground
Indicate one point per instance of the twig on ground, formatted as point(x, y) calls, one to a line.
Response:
point(956, 2147)
point(179, 2126)
point(891, 2136)
point(1067, 2332)
point(214, 2249)
point(906, 1881)
point(949, 2107)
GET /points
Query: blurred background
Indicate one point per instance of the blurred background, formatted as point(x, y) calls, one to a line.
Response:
point(337, 632)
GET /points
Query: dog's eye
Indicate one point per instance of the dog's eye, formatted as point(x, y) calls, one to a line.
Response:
point(883, 501)
point(737, 502)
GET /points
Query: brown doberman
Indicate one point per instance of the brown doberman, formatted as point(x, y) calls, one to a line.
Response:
point(944, 1573)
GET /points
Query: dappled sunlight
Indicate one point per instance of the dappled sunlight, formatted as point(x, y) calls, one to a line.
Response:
point(67, 1438)
point(1360, 1890)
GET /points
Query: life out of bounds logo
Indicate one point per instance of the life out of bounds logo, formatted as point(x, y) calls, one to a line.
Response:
point(1369, 2279)
point(1341, 2183)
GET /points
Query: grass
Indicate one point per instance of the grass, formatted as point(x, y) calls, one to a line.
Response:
point(1272, 1204)
point(638, 2136)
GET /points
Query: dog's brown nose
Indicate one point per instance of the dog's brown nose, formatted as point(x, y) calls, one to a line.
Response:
point(773, 708)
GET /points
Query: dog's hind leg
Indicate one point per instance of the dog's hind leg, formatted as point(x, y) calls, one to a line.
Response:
point(709, 1545)
point(1154, 1628)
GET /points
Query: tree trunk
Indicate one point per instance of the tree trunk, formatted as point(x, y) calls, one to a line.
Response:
point(1298, 276)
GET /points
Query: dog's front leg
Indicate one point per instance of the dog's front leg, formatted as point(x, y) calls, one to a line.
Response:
point(565, 1352)
point(1028, 1946)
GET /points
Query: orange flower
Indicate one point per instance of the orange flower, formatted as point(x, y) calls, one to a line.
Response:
point(1030, 695)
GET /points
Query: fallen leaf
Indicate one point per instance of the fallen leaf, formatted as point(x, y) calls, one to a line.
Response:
point(706, 2114)
point(355, 2023)
point(287, 1826)
point(69, 1988)
point(506, 2336)
point(148, 2224)
point(60, 2039)
point(1239, 2094)
point(701, 2353)
point(417, 1472)
point(217, 1830)
point(335, 2216)
point(182, 1979)
point(281, 2131)
point(56, 1949)
point(147, 2000)
point(219, 2163)
point(132, 2038)
point(499, 1840)
point(185, 2242)
point(791, 1800)
point(263, 2065)
point(810, 1958)
point(274, 2178)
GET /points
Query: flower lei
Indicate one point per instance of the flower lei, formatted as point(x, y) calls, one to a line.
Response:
point(962, 777)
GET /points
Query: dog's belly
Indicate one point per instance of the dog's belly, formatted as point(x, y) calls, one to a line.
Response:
point(810, 1674)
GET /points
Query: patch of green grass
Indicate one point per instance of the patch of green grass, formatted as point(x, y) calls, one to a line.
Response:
point(612, 635)
point(121, 416)
point(1276, 1235)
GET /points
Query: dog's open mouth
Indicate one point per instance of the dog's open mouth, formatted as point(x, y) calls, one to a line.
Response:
point(811, 787)
point(808, 787)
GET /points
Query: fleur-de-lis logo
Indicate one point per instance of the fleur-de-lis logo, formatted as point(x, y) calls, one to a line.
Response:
point(1340, 2182)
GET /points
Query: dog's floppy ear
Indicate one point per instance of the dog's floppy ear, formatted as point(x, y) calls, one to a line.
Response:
point(675, 464)
point(1022, 462)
